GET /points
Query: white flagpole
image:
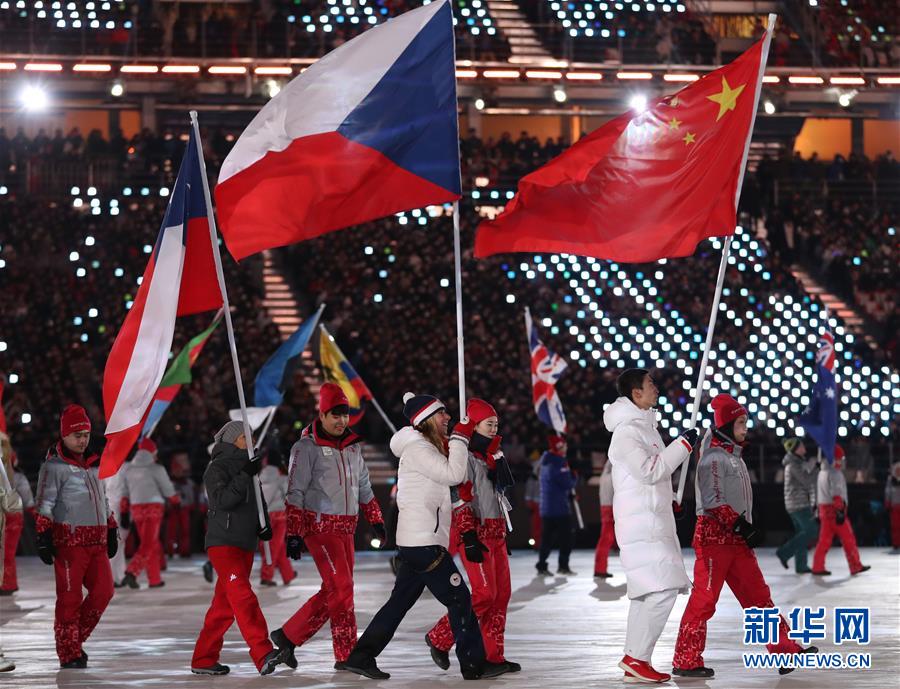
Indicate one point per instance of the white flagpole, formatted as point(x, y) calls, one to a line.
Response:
point(265, 428)
point(460, 344)
point(373, 400)
point(720, 280)
point(220, 273)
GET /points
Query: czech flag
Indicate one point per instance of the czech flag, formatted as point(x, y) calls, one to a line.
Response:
point(546, 368)
point(179, 374)
point(179, 280)
point(338, 370)
point(369, 130)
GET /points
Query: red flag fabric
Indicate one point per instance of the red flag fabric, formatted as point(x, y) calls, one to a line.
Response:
point(646, 185)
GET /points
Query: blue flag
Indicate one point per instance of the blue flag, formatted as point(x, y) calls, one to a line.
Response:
point(273, 377)
point(820, 418)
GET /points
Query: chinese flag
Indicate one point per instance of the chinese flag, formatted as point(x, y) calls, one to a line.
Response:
point(646, 185)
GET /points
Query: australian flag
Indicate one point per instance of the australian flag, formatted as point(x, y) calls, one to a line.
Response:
point(546, 368)
point(820, 418)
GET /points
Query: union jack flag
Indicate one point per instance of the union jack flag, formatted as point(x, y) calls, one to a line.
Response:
point(820, 418)
point(546, 368)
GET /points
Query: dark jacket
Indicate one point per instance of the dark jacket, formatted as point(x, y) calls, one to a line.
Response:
point(233, 516)
point(557, 482)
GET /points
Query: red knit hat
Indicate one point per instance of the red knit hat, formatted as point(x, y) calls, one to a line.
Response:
point(148, 445)
point(726, 409)
point(555, 444)
point(330, 396)
point(73, 420)
point(478, 410)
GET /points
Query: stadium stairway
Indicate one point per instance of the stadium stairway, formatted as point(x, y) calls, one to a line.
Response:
point(834, 304)
point(524, 45)
point(282, 307)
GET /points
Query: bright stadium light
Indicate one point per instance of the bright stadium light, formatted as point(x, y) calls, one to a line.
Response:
point(638, 102)
point(479, 103)
point(769, 107)
point(117, 90)
point(559, 94)
point(272, 88)
point(33, 98)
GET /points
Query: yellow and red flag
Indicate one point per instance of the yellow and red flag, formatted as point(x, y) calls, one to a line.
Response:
point(646, 185)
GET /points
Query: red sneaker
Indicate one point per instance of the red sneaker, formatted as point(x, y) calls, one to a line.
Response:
point(641, 671)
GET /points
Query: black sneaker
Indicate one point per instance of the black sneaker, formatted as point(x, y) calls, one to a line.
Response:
point(602, 575)
point(279, 638)
point(7, 592)
point(208, 571)
point(267, 582)
point(693, 671)
point(217, 669)
point(864, 568)
point(513, 667)
point(130, 581)
point(783, 560)
point(368, 670)
point(566, 572)
point(543, 570)
point(271, 661)
point(488, 670)
point(440, 658)
point(77, 664)
point(788, 670)
point(821, 573)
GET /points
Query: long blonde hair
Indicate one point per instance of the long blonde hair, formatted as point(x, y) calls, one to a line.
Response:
point(433, 434)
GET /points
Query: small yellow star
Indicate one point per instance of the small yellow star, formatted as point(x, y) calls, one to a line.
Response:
point(688, 138)
point(726, 98)
point(674, 123)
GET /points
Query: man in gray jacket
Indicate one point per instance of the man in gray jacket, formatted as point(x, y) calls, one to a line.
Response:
point(800, 475)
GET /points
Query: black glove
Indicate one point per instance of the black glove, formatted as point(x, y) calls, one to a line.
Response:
point(380, 534)
point(294, 546)
point(690, 436)
point(751, 535)
point(252, 467)
point(475, 549)
point(125, 520)
point(45, 547)
point(839, 517)
point(112, 542)
point(265, 533)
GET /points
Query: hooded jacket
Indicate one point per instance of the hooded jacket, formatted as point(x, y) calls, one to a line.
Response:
point(799, 482)
point(71, 500)
point(642, 467)
point(424, 479)
point(327, 483)
point(233, 516)
point(557, 482)
point(145, 481)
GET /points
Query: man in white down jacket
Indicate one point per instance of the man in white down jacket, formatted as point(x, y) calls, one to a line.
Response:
point(649, 550)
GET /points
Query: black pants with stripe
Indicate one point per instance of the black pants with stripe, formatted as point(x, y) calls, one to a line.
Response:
point(421, 567)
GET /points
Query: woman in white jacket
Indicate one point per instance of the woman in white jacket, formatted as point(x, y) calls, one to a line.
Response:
point(649, 550)
point(429, 466)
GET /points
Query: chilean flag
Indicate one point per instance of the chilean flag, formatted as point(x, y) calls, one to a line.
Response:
point(546, 368)
point(369, 130)
point(179, 280)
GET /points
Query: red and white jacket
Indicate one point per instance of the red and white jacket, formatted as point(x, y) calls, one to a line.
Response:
point(328, 484)
point(723, 492)
point(71, 500)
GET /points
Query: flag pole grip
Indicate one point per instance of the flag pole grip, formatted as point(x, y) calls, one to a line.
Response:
point(220, 274)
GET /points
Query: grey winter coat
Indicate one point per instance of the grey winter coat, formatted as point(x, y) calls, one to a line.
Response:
point(233, 516)
point(71, 494)
point(799, 482)
point(145, 481)
point(722, 479)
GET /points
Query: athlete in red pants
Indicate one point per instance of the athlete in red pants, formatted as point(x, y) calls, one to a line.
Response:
point(328, 486)
point(478, 519)
point(607, 524)
point(724, 539)
point(15, 521)
point(831, 496)
point(77, 535)
point(147, 488)
point(231, 540)
point(274, 486)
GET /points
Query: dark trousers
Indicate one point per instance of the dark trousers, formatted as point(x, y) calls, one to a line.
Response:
point(420, 567)
point(806, 529)
point(556, 532)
